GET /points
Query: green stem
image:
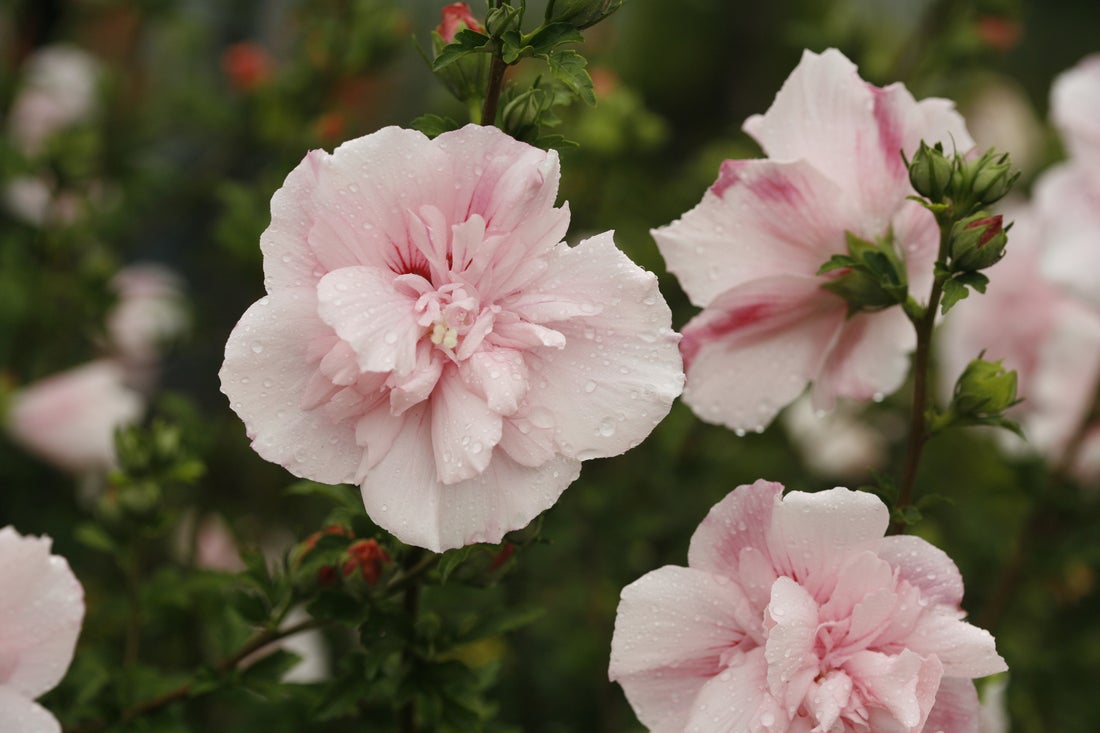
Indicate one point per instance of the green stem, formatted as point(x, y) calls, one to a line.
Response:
point(924, 321)
point(253, 645)
point(492, 94)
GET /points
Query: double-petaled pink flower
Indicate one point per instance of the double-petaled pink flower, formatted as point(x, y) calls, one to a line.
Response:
point(749, 253)
point(796, 615)
point(41, 610)
point(428, 336)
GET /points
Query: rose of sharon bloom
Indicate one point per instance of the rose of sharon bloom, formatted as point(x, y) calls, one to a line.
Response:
point(748, 254)
point(1053, 343)
point(428, 336)
point(41, 609)
point(796, 615)
point(69, 419)
point(1068, 195)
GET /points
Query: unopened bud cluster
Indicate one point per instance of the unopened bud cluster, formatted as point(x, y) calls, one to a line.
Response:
point(965, 185)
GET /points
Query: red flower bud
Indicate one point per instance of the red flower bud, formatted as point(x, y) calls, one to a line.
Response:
point(457, 16)
point(368, 556)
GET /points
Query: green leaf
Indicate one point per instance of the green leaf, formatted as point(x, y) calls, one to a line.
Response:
point(906, 515)
point(433, 125)
point(837, 262)
point(953, 292)
point(465, 43)
point(451, 559)
point(975, 280)
point(95, 537)
point(253, 608)
point(546, 39)
point(568, 67)
point(342, 494)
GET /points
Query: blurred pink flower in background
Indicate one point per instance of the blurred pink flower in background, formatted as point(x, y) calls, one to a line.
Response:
point(796, 614)
point(1053, 343)
point(58, 90)
point(749, 253)
point(150, 312)
point(70, 418)
point(41, 610)
point(428, 336)
point(1068, 195)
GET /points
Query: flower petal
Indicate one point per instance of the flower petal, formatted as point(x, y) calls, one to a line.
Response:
point(619, 370)
point(791, 621)
point(925, 566)
point(675, 616)
point(364, 193)
point(903, 685)
point(375, 318)
point(265, 373)
point(288, 260)
point(403, 495)
point(813, 535)
point(760, 218)
point(737, 700)
point(855, 132)
point(21, 715)
point(41, 610)
point(464, 430)
point(869, 359)
point(738, 521)
point(964, 649)
point(957, 709)
point(755, 348)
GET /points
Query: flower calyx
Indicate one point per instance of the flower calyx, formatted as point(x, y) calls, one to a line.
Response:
point(871, 277)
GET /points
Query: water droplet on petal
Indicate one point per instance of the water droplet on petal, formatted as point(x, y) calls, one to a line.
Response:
point(257, 347)
point(590, 387)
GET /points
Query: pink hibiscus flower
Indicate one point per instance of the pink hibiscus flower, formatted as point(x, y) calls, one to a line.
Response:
point(796, 615)
point(428, 336)
point(41, 609)
point(749, 253)
point(1053, 342)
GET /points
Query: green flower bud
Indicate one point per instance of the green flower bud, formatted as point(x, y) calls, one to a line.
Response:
point(580, 13)
point(977, 242)
point(985, 389)
point(985, 180)
point(930, 172)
